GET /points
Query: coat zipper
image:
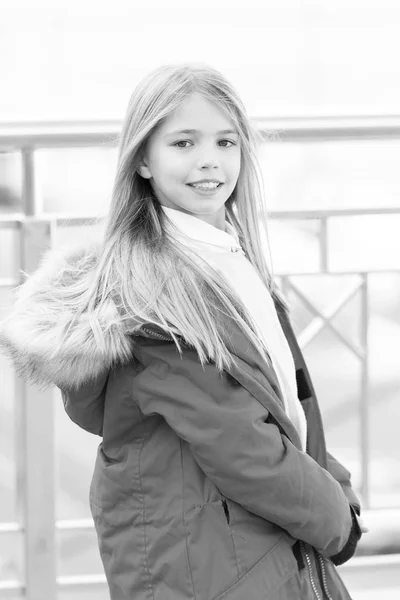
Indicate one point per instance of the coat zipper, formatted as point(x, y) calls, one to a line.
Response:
point(310, 573)
point(158, 335)
point(323, 573)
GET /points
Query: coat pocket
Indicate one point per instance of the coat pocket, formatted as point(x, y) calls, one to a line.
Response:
point(252, 536)
point(211, 549)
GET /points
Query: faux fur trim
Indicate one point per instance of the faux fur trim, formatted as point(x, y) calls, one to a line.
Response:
point(31, 334)
point(41, 318)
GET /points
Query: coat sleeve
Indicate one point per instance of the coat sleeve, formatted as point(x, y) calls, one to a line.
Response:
point(243, 454)
point(342, 476)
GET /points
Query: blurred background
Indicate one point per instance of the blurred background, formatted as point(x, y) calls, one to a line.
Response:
point(325, 78)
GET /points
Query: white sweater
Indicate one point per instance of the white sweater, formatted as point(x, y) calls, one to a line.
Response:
point(222, 251)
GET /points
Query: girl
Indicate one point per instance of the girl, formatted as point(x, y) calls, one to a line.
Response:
point(170, 341)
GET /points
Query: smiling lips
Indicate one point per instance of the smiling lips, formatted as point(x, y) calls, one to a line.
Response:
point(206, 184)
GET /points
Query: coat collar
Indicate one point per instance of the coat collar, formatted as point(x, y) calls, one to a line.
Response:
point(190, 230)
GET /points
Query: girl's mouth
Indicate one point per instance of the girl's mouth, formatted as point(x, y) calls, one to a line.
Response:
point(205, 188)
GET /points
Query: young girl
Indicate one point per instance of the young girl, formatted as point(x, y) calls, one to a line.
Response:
point(170, 341)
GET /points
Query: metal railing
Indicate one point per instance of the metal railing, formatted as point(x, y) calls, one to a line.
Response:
point(34, 419)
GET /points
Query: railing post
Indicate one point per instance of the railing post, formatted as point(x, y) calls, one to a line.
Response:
point(323, 245)
point(364, 400)
point(35, 451)
point(30, 191)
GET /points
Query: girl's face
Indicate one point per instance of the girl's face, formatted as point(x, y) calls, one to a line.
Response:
point(198, 142)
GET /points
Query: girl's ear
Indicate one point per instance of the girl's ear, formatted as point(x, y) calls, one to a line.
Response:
point(144, 170)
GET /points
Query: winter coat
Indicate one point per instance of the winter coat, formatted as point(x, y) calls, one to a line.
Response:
point(200, 489)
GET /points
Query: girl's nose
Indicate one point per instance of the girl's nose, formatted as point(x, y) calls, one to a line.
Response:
point(208, 163)
point(208, 158)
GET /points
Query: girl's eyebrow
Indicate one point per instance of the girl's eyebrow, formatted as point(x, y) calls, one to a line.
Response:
point(194, 131)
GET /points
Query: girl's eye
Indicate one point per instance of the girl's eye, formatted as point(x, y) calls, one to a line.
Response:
point(228, 142)
point(177, 144)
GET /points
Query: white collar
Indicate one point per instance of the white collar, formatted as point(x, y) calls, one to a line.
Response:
point(200, 231)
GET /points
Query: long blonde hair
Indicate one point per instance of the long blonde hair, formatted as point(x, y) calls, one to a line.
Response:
point(150, 276)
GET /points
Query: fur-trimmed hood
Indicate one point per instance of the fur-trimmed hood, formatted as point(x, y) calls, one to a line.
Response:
point(50, 342)
point(42, 316)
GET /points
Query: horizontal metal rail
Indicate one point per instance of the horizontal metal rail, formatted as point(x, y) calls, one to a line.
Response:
point(330, 128)
point(14, 220)
point(52, 134)
point(63, 525)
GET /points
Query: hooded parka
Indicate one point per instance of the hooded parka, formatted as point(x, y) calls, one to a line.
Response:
point(200, 490)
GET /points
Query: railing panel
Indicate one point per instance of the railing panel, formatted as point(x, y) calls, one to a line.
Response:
point(76, 179)
point(384, 389)
point(331, 174)
point(321, 175)
point(77, 549)
point(365, 243)
point(91, 591)
point(7, 432)
point(335, 367)
point(11, 181)
point(78, 554)
point(12, 541)
point(12, 564)
point(373, 577)
point(294, 245)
